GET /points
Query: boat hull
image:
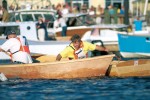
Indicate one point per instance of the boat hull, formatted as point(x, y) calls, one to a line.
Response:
point(82, 68)
point(81, 30)
point(106, 37)
point(131, 46)
point(71, 32)
point(134, 55)
point(131, 68)
point(111, 46)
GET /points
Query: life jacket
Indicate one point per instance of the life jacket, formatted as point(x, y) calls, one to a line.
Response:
point(23, 45)
point(79, 54)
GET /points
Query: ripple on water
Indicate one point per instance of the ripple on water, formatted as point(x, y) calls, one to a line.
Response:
point(89, 88)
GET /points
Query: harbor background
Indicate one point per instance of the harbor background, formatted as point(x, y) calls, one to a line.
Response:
point(134, 9)
point(98, 88)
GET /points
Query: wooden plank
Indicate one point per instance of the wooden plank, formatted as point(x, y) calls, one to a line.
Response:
point(130, 68)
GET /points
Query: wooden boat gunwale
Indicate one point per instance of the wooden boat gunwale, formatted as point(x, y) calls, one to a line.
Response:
point(57, 62)
point(82, 68)
point(130, 68)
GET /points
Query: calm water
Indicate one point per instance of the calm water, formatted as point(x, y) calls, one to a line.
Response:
point(99, 88)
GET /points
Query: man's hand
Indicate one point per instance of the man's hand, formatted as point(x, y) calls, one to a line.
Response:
point(58, 58)
point(1, 50)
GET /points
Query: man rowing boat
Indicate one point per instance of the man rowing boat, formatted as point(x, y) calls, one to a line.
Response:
point(17, 48)
point(78, 49)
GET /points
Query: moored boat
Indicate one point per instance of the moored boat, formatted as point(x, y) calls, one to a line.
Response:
point(105, 36)
point(41, 48)
point(134, 45)
point(82, 68)
point(131, 68)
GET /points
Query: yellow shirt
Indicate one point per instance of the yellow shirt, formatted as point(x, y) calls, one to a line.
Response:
point(69, 51)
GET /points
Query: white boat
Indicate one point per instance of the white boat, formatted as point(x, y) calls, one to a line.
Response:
point(107, 36)
point(41, 48)
point(32, 16)
point(28, 29)
point(76, 23)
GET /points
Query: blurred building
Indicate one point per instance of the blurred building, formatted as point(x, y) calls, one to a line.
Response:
point(38, 4)
point(79, 3)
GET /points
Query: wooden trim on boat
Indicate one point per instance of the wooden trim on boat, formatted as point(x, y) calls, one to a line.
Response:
point(131, 68)
point(80, 32)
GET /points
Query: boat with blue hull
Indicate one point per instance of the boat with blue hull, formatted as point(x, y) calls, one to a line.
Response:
point(135, 45)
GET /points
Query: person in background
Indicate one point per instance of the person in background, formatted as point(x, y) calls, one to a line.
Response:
point(5, 17)
point(115, 16)
point(78, 49)
point(92, 10)
point(42, 31)
point(58, 9)
point(65, 10)
point(122, 14)
point(138, 24)
point(100, 12)
point(89, 20)
point(107, 16)
point(112, 13)
point(1, 12)
point(61, 22)
point(17, 48)
point(53, 7)
point(129, 29)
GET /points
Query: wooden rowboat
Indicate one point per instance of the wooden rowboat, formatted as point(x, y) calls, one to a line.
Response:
point(82, 68)
point(130, 68)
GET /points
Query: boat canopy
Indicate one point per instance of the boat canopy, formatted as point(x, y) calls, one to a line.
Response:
point(32, 15)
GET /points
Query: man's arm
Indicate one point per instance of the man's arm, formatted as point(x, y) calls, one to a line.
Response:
point(1, 50)
point(100, 48)
point(58, 58)
point(4, 17)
